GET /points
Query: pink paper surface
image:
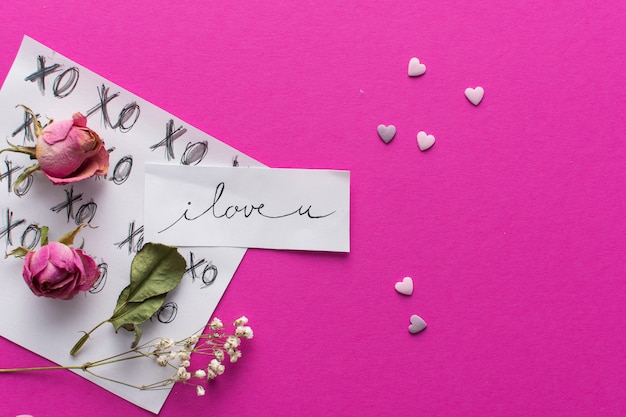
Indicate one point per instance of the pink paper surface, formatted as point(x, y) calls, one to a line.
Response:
point(513, 226)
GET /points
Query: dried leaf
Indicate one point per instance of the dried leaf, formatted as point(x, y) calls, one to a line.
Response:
point(155, 270)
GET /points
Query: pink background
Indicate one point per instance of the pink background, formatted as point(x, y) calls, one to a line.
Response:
point(512, 226)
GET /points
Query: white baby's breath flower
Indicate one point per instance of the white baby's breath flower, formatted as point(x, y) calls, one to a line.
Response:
point(244, 331)
point(219, 354)
point(232, 342)
point(234, 356)
point(165, 344)
point(216, 366)
point(182, 374)
point(191, 341)
point(216, 324)
point(177, 355)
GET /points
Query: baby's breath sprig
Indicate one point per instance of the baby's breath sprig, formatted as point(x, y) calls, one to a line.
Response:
point(216, 343)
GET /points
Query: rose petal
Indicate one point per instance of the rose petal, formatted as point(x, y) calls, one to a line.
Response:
point(56, 131)
point(61, 159)
point(102, 159)
point(82, 141)
point(61, 255)
point(91, 271)
point(79, 119)
point(96, 165)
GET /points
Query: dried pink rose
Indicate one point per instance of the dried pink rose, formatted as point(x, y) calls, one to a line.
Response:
point(68, 151)
point(59, 271)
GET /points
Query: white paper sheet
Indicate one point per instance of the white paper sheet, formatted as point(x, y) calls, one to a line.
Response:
point(136, 132)
point(248, 207)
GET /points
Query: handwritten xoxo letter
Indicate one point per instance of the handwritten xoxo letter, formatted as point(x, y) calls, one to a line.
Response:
point(135, 132)
point(248, 207)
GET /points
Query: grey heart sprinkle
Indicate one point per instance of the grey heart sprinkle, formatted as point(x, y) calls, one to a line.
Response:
point(417, 324)
point(386, 133)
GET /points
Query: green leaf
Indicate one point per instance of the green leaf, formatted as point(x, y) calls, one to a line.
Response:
point(36, 124)
point(138, 333)
point(18, 252)
point(28, 150)
point(68, 238)
point(128, 314)
point(44, 235)
point(22, 177)
point(155, 270)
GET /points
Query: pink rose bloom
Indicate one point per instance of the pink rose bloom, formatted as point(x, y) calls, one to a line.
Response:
point(68, 151)
point(59, 271)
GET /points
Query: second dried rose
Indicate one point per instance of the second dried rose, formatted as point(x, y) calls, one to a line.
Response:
point(59, 271)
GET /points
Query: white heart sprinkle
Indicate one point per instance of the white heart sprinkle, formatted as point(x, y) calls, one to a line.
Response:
point(386, 133)
point(416, 68)
point(405, 286)
point(417, 324)
point(425, 141)
point(475, 95)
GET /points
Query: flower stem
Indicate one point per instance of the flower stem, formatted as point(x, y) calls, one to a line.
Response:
point(84, 339)
point(41, 368)
point(113, 380)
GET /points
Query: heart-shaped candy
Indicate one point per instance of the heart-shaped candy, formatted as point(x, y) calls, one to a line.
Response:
point(475, 95)
point(386, 133)
point(405, 286)
point(417, 324)
point(416, 68)
point(425, 141)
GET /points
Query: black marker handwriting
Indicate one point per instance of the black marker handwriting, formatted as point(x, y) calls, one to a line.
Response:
point(8, 174)
point(61, 88)
point(122, 170)
point(26, 128)
point(23, 187)
point(102, 279)
point(42, 72)
point(167, 313)
point(34, 240)
point(171, 135)
point(128, 115)
point(194, 153)
point(5, 232)
point(247, 210)
point(134, 239)
point(209, 272)
point(30, 237)
point(68, 204)
point(63, 84)
point(84, 214)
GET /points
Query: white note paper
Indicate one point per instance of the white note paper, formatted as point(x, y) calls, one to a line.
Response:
point(135, 132)
point(248, 207)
